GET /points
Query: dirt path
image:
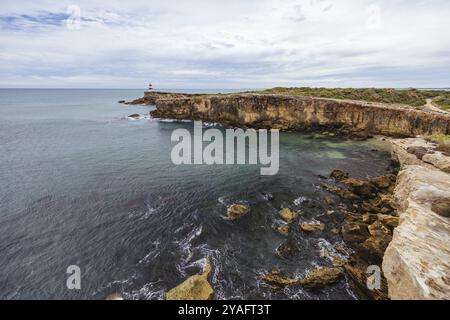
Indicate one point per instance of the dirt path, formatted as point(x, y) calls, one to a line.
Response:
point(431, 107)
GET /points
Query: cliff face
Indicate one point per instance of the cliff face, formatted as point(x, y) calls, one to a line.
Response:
point(300, 113)
point(416, 263)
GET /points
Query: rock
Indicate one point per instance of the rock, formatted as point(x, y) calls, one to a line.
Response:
point(288, 215)
point(321, 277)
point(312, 227)
point(267, 196)
point(114, 296)
point(373, 248)
point(418, 151)
point(339, 175)
point(378, 229)
point(121, 101)
point(196, 287)
point(359, 187)
point(441, 207)
point(388, 220)
point(354, 233)
point(285, 250)
point(357, 271)
point(276, 279)
point(236, 211)
point(283, 230)
point(383, 182)
point(369, 218)
point(343, 193)
point(329, 201)
point(134, 116)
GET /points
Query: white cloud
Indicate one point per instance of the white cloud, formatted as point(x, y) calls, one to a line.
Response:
point(204, 44)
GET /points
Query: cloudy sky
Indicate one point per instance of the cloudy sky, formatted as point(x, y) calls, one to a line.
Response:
point(225, 44)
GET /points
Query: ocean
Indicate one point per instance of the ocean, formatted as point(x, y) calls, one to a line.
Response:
point(82, 184)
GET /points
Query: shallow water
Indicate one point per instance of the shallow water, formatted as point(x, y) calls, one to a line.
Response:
point(81, 184)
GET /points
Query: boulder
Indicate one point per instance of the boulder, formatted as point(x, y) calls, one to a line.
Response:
point(359, 187)
point(383, 182)
point(312, 227)
point(321, 277)
point(418, 151)
point(288, 215)
point(236, 211)
point(196, 287)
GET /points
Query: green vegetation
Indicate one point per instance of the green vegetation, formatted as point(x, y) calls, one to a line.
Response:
point(412, 97)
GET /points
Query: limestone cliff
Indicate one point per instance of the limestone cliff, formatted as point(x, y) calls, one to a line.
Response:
point(416, 263)
point(300, 113)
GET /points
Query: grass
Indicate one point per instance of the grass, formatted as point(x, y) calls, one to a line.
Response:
point(412, 97)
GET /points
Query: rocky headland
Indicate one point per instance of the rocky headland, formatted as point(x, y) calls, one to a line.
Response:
point(399, 221)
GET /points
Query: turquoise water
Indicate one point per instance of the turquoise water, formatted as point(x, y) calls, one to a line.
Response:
point(82, 184)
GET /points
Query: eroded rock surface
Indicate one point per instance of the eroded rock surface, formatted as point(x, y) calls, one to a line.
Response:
point(417, 261)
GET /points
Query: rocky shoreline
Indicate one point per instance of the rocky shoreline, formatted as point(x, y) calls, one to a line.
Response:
point(399, 221)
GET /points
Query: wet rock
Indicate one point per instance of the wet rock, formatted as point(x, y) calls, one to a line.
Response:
point(288, 215)
point(356, 269)
point(369, 218)
point(114, 296)
point(267, 196)
point(359, 187)
point(196, 287)
point(354, 232)
point(312, 227)
point(339, 175)
point(329, 201)
point(276, 279)
point(343, 193)
point(283, 230)
point(383, 182)
point(388, 220)
point(236, 211)
point(134, 116)
point(441, 207)
point(321, 277)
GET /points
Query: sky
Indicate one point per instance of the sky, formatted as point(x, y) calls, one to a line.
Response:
point(230, 44)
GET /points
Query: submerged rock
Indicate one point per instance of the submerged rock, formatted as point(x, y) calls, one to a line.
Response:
point(196, 287)
point(288, 215)
point(236, 211)
point(339, 175)
point(283, 230)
